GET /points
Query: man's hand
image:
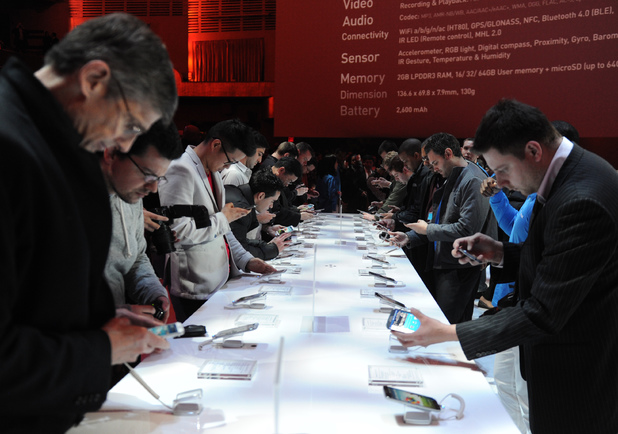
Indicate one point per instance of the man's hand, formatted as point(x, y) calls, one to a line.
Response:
point(485, 248)
point(232, 213)
point(394, 208)
point(129, 341)
point(149, 220)
point(258, 266)
point(165, 305)
point(272, 230)
point(431, 331)
point(313, 193)
point(387, 223)
point(301, 189)
point(139, 315)
point(489, 187)
point(306, 216)
point(377, 204)
point(381, 182)
point(281, 241)
point(398, 239)
point(420, 227)
point(265, 217)
point(388, 215)
point(368, 216)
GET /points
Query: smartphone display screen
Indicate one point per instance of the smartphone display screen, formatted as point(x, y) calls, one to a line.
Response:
point(402, 321)
point(389, 300)
point(168, 330)
point(413, 399)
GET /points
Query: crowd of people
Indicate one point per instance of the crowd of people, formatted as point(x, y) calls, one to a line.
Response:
point(90, 135)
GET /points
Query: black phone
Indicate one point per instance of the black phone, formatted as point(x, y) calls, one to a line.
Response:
point(378, 259)
point(389, 300)
point(421, 402)
point(379, 276)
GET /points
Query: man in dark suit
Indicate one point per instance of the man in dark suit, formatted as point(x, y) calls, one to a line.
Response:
point(58, 334)
point(565, 321)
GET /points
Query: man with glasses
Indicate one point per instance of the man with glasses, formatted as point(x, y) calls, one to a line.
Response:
point(459, 209)
point(106, 82)
point(205, 258)
point(129, 178)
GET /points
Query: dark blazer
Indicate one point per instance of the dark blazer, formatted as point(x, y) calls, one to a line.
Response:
point(54, 239)
point(566, 321)
point(242, 197)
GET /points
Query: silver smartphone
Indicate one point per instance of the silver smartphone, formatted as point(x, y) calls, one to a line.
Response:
point(415, 400)
point(247, 298)
point(236, 331)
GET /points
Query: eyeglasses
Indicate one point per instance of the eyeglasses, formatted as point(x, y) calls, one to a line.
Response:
point(229, 161)
point(148, 177)
point(132, 128)
point(424, 159)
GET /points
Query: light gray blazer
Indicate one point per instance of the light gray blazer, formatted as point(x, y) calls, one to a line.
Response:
point(199, 266)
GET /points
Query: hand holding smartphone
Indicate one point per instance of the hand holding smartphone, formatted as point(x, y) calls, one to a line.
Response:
point(402, 321)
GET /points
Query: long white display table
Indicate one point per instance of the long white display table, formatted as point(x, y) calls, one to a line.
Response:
point(332, 335)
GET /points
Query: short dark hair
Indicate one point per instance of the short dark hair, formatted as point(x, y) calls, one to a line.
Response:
point(509, 125)
point(265, 181)
point(234, 135)
point(326, 166)
point(410, 147)
point(260, 140)
point(302, 147)
point(567, 130)
point(136, 56)
point(439, 142)
point(165, 139)
point(387, 146)
point(292, 166)
point(287, 148)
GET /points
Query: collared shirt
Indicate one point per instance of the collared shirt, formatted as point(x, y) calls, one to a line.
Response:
point(560, 156)
point(237, 174)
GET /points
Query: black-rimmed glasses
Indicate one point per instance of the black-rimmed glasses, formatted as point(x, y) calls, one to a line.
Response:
point(229, 161)
point(148, 177)
point(132, 128)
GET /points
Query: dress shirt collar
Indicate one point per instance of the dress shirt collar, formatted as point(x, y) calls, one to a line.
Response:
point(560, 156)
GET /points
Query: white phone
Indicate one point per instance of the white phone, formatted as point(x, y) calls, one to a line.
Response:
point(168, 330)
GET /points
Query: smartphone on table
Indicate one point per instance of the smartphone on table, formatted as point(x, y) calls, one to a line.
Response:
point(415, 400)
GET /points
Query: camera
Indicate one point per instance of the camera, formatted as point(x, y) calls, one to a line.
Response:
point(163, 238)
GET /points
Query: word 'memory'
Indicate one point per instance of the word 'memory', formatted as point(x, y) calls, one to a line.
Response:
point(362, 79)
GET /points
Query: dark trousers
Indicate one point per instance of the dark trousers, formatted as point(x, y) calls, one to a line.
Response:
point(455, 290)
point(185, 307)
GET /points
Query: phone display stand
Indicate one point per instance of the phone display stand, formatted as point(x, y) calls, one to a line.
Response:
point(187, 403)
point(378, 283)
point(423, 417)
point(249, 305)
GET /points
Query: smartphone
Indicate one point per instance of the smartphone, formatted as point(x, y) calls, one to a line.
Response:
point(295, 243)
point(274, 273)
point(250, 297)
point(382, 227)
point(402, 321)
point(384, 236)
point(390, 301)
point(168, 330)
point(285, 230)
point(469, 255)
point(379, 276)
point(378, 259)
point(412, 399)
point(236, 330)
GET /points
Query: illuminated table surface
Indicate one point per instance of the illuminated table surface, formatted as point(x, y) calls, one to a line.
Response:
point(331, 334)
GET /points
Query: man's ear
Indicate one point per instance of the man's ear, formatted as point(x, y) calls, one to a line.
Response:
point(260, 196)
point(94, 79)
point(534, 150)
point(109, 154)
